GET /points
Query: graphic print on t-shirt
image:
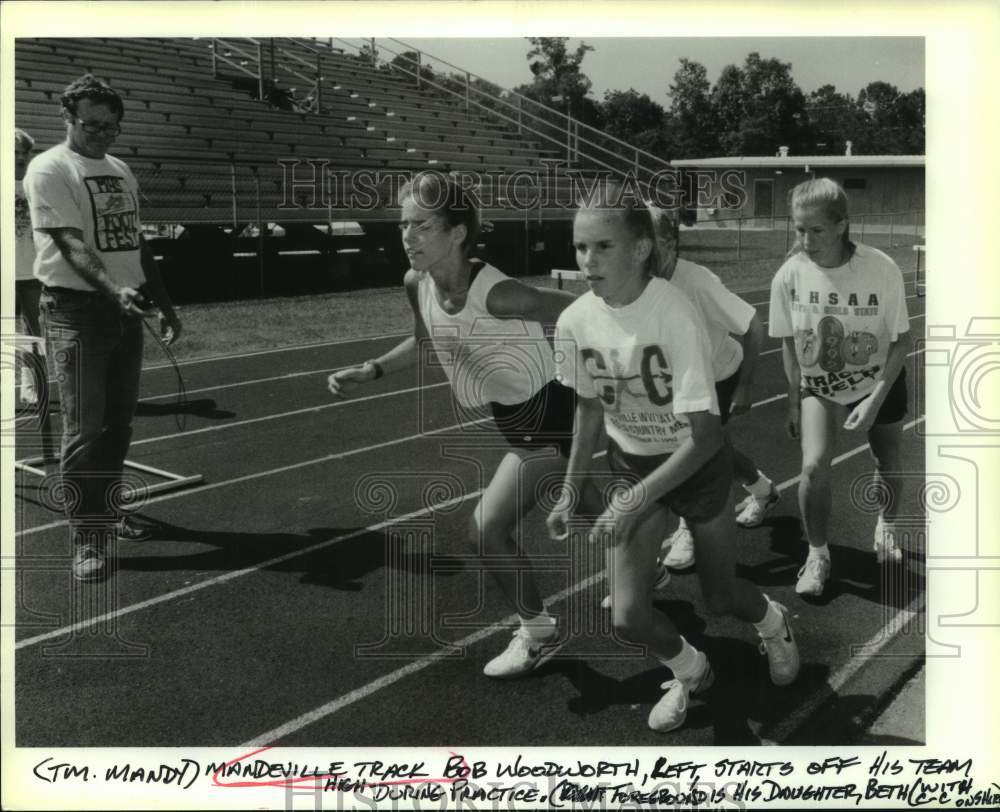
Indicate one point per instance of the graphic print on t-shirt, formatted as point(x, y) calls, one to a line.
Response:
point(653, 382)
point(634, 403)
point(22, 216)
point(116, 215)
point(833, 348)
point(843, 321)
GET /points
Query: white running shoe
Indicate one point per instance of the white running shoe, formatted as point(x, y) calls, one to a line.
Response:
point(781, 650)
point(681, 554)
point(523, 655)
point(662, 579)
point(671, 711)
point(813, 576)
point(752, 510)
point(886, 549)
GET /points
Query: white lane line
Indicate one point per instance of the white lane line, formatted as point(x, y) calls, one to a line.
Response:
point(420, 664)
point(320, 408)
point(263, 419)
point(839, 678)
point(229, 576)
point(366, 691)
point(318, 460)
point(211, 486)
point(211, 359)
point(252, 382)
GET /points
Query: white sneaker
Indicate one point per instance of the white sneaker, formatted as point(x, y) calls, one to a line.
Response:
point(752, 510)
point(681, 554)
point(523, 655)
point(671, 711)
point(781, 650)
point(813, 576)
point(662, 579)
point(886, 549)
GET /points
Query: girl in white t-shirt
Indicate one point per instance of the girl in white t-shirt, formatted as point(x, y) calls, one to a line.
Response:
point(487, 332)
point(642, 367)
point(840, 309)
point(725, 315)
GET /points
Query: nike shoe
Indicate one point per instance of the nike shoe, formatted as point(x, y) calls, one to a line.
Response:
point(752, 510)
point(886, 549)
point(781, 650)
point(522, 656)
point(89, 563)
point(671, 711)
point(681, 554)
point(813, 576)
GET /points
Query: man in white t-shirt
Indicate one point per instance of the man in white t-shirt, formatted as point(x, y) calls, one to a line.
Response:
point(92, 261)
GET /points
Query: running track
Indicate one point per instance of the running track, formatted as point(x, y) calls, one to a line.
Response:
point(237, 624)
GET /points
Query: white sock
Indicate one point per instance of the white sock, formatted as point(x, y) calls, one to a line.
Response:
point(819, 552)
point(681, 524)
point(540, 627)
point(886, 531)
point(772, 622)
point(761, 488)
point(686, 665)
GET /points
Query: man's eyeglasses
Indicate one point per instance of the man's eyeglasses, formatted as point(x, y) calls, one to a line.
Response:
point(99, 129)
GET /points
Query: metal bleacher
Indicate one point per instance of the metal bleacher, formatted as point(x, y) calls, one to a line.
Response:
point(195, 136)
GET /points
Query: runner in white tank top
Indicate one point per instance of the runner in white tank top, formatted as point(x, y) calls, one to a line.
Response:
point(487, 331)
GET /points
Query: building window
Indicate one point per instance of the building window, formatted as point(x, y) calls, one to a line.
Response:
point(763, 198)
point(856, 183)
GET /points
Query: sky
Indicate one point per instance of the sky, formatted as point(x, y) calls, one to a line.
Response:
point(648, 64)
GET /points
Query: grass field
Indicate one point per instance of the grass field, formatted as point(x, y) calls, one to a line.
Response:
point(253, 324)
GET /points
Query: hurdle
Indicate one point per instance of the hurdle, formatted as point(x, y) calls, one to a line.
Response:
point(918, 286)
point(559, 275)
point(172, 481)
point(39, 373)
point(38, 464)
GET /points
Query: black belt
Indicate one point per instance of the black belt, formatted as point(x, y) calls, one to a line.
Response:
point(57, 289)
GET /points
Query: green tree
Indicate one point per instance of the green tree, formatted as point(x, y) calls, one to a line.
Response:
point(759, 107)
point(559, 84)
point(557, 72)
point(834, 119)
point(913, 117)
point(636, 119)
point(405, 65)
point(895, 120)
point(727, 109)
point(692, 123)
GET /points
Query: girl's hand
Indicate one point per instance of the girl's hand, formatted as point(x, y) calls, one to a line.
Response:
point(863, 416)
point(741, 399)
point(618, 522)
point(558, 522)
point(342, 382)
point(793, 421)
